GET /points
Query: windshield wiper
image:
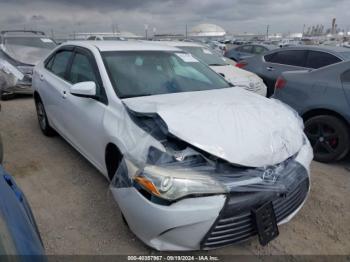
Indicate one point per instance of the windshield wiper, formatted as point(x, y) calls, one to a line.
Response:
point(132, 96)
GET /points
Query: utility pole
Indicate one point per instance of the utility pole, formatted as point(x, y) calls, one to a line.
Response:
point(146, 31)
point(186, 32)
point(267, 32)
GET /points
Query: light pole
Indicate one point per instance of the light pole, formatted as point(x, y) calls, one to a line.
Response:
point(146, 31)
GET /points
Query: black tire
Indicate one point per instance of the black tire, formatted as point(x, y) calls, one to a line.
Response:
point(329, 137)
point(43, 120)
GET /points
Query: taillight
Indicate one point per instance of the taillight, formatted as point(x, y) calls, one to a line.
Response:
point(280, 83)
point(241, 64)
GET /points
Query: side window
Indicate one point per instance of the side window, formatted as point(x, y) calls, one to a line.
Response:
point(345, 77)
point(317, 59)
point(247, 49)
point(49, 63)
point(290, 57)
point(259, 49)
point(91, 38)
point(81, 70)
point(60, 63)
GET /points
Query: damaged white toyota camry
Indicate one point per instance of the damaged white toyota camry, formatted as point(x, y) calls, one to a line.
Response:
point(194, 162)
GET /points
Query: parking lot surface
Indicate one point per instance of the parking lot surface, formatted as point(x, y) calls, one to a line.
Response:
point(76, 213)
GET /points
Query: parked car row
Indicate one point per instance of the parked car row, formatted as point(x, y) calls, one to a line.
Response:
point(312, 80)
point(219, 64)
point(193, 162)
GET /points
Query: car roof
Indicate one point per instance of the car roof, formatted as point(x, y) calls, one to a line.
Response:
point(22, 33)
point(270, 47)
point(132, 45)
point(180, 43)
point(336, 50)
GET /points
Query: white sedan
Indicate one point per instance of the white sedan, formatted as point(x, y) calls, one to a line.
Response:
point(193, 163)
point(223, 66)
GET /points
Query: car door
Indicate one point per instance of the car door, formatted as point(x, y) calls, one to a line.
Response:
point(276, 63)
point(345, 79)
point(84, 116)
point(54, 86)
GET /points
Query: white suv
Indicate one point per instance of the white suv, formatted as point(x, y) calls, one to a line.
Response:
point(193, 162)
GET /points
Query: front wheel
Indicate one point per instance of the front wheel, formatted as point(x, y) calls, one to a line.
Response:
point(329, 137)
point(42, 118)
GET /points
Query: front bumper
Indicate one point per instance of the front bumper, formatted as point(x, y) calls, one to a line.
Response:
point(212, 221)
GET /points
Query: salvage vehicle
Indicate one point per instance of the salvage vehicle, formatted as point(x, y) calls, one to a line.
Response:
point(219, 64)
point(19, 234)
point(322, 98)
point(20, 51)
point(272, 64)
point(193, 163)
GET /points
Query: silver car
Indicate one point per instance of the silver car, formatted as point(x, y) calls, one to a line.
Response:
point(193, 163)
point(20, 51)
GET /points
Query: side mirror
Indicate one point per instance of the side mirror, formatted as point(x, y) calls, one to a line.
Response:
point(84, 89)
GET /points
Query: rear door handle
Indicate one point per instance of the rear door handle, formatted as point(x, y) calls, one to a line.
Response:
point(270, 68)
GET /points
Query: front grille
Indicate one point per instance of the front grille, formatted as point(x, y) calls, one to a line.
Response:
point(229, 229)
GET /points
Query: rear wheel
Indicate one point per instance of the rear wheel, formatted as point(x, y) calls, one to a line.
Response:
point(329, 137)
point(42, 118)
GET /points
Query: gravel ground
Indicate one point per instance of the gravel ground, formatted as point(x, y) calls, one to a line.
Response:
point(76, 214)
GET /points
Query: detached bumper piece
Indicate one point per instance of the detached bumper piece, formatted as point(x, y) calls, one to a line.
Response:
point(236, 223)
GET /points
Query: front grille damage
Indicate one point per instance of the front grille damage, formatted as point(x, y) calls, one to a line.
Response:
point(235, 222)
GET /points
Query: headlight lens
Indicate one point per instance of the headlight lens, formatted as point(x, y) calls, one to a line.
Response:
point(172, 183)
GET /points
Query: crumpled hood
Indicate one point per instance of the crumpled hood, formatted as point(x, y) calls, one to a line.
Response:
point(26, 55)
point(233, 124)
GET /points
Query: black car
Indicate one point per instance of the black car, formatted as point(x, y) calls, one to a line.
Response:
point(272, 64)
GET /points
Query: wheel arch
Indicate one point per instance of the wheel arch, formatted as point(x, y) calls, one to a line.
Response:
point(322, 111)
point(36, 96)
point(113, 158)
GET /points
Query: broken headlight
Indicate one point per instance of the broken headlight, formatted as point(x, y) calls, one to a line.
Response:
point(175, 183)
point(177, 175)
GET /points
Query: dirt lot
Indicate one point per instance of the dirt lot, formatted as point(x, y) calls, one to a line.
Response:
point(76, 213)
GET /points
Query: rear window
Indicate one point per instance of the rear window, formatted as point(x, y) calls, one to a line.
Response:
point(246, 49)
point(317, 59)
point(37, 42)
point(288, 57)
point(259, 49)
